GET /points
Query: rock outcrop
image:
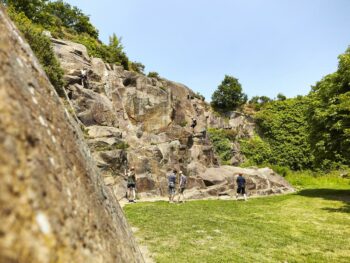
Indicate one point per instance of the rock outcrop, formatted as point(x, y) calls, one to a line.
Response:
point(222, 182)
point(54, 205)
point(132, 120)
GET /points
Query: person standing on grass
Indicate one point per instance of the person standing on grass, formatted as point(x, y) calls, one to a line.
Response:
point(172, 185)
point(131, 185)
point(241, 186)
point(182, 186)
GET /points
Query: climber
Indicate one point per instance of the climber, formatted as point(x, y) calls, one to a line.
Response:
point(172, 185)
point(131, 185)
point(193, 124)
point(241, 186)
point(83, 78)
point(182, 186)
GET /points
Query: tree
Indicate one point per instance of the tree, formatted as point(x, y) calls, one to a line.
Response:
point(116, 53)
point(32, 9)
point(71, 17)
point(329, 117)
point(281, 97)
point(228, 95)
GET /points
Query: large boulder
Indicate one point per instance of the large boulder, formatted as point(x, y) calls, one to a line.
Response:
point(54, 205)
point(222, 181)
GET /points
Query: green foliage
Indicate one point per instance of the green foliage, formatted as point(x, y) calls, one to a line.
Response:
point(256, 151)
point(71, 17)
point(69, 22)
point(33, 9)
point(183, 123)
point(153, 74)
point(116, 54)
point(280, 96)
point(283, 126)
point(228, 95)
point(121, 145)
point(137, 67)
point(222, 141)
point(41, 46)
point(199, 96)
point(329, 117)
point(54, 16)
point(257, 102)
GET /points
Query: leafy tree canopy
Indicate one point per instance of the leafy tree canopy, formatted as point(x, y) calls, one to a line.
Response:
point(228, 95)
point(329, 117)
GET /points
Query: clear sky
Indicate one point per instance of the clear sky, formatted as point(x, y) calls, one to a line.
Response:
point(271, 46)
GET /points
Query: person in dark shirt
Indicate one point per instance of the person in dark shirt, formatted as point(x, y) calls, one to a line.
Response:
point(193, 124)
point(172, 185)
point(241, 186)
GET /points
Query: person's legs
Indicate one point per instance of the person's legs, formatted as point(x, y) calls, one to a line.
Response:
point(238, 192)
point(133, 194)
point(181, 190)
point(129, 193)
point(244, 194)
point(172, 194)
point(183, 195)
point(169, 192)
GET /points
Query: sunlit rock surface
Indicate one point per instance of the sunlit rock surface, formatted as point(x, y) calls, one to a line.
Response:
point(54, 205)
point(134, 120)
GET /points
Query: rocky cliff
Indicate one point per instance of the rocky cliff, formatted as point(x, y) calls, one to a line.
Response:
point(131, 120)
point(54, 205)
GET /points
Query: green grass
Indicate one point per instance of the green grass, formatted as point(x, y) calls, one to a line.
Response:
point(312, 225)
point(308, 179)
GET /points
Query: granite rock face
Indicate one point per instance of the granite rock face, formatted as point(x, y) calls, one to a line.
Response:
point(134, 120)
point(54, 205)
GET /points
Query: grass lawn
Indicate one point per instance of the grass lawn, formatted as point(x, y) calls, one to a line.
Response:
point(312, 225)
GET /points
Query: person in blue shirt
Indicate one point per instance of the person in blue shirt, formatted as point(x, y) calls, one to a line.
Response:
point(241, 186)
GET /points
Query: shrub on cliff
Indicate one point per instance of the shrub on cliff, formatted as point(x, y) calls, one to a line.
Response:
point(69, 22)
point(153, 74)
point(41, 46)
point(222, 141)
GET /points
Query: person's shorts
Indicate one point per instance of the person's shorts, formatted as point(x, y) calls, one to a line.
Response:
point(241, 190)
point(130, 185)
point(181, 190)
point(171, 190)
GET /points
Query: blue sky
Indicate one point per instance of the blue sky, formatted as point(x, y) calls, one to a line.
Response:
point(271, 46)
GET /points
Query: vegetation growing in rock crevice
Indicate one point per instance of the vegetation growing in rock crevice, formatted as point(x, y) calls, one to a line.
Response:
point(222, 141)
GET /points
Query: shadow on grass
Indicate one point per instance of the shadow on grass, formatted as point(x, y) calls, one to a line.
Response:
point(330, 194)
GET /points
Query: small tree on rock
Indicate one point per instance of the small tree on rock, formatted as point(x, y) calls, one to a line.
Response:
point(228, 95)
